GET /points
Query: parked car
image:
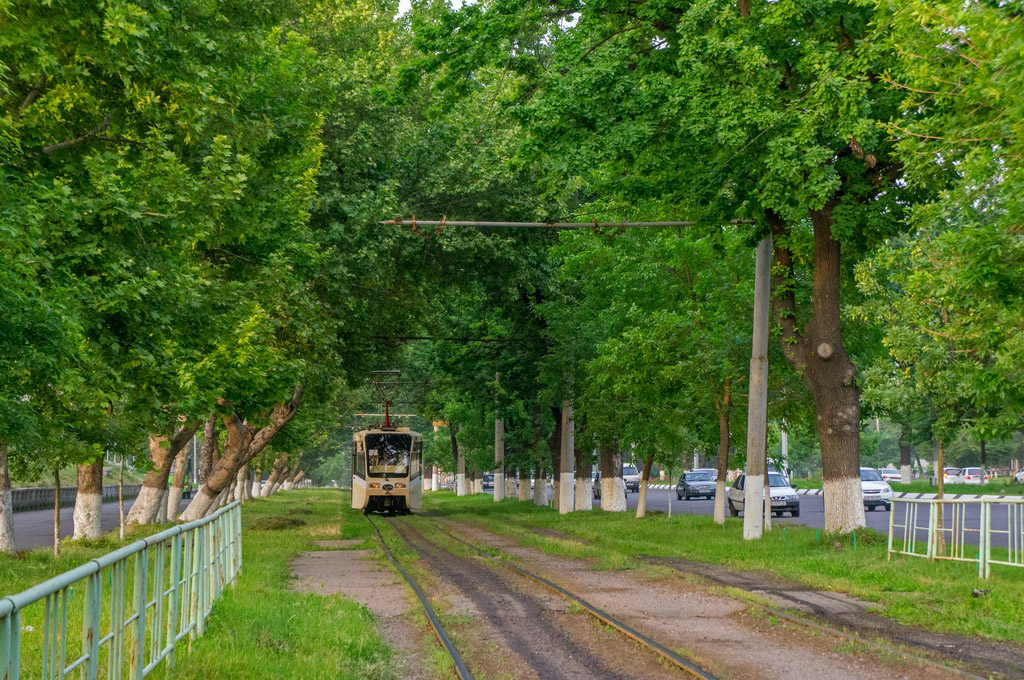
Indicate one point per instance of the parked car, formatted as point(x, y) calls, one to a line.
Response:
point(973, 475)
point(631, 478)
point(595, 478)
point(890, 475)
point(783, 496)
point(951, 475)
point(1019, 476)
point(488, 481)
point(696, 483)
point(875, 490)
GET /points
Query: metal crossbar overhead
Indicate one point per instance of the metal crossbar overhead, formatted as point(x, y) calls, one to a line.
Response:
point(413, 222)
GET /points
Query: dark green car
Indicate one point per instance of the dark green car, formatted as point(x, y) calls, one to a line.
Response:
point(695, 484)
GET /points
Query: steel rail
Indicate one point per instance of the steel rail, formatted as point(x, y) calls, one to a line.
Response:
point(460, 665)
point(599, 614)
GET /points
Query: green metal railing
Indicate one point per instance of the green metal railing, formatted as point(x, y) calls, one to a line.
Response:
point(173, 578)
point(949, 541)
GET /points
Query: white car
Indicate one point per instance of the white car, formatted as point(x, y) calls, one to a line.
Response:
point(783, 496)
point(951, 475)
point(711, 471)
point(973, 475)
point(1019, 476)
point(876, 491)
point(891, 475)
point(631, 478)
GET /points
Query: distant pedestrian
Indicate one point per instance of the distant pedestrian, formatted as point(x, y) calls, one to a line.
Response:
point(186, 491)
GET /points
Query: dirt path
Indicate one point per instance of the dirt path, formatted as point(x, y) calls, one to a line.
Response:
point(842, 610)
point(355, 574)
point(517, 629)
point(718, 631)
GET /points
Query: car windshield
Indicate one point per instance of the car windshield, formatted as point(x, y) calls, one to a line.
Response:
point(698, 477)
point(388, 454)
point(775, 479)
point(628, 470)
point(869, 476)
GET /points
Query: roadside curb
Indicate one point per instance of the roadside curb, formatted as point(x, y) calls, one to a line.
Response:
point(912, 495)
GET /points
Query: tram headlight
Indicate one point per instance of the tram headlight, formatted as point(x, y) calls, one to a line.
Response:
point(375, 485)
point(399, 486)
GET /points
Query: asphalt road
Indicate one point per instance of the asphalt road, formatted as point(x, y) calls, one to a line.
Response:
point(34, 528)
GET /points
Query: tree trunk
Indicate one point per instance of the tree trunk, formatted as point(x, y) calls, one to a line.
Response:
point(819, 355)
point(176, 490)
point(257, 482)
point(905, 450)
point(120, 499)
point(274, 479)
point(613, 489)
point(153, 495)
point(89, 501)
point(566, 481)
point(460, 475)
point(499, 456)
point(554, 442)
point(208, 451)
point(435, 478)
point(584, 480)
point(984, 459)
point(539, 484)
point(641, 505)
point(56, 512)
point(298, 478)
point(6, 505)
point(723, 452)
point(241, 446)
point(940, 537)
point(523, 477)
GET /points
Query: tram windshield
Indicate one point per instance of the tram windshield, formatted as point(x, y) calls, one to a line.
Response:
point(388, 454)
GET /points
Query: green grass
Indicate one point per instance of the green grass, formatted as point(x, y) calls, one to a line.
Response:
point(259, 628)
point(913, 591)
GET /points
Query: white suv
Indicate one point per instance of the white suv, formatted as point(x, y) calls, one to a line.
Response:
point(783, 496)
point(974, 475)
point(875, 490)
point(631, 478)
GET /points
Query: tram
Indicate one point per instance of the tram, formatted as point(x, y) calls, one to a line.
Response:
point(387, 470)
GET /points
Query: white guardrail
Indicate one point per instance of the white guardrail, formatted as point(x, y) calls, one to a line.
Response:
point(943, 529)
point(177, 576)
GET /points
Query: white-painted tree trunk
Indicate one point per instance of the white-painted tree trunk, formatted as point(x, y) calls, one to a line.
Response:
point(174, 495)
point(88, 501)
point(240, 479)
point(161, 508)
point(641, 503)
point(146, 506)
point(256, 480)
point(524, 487)
point(200, 506)
point(844, 504)
point(567, 459)
point(584, 494)
point(460, 484)
point(767, 526)
point(427, 483)
point(613, 494)
point(540, 491)
point(499, 458)
point(435, 480)
point(720, 500)
point(6, 506)
point(906, 474)
point(87, 515)
point(510, 486)
point(753, 499)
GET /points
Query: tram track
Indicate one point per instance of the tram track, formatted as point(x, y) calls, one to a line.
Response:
point(460, 666)
point(604, 617)
point(472, 583)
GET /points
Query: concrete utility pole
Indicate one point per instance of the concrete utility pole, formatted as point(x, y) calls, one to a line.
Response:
point(785, 452)
point(757, 411)
point(499, 451)
point(566, 478)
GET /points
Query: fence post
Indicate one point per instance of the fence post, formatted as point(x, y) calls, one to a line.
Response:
point(91, 624)
point(138, 658)
point(892, 518)
point(931, 531)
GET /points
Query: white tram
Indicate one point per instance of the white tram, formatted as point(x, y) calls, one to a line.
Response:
point(387, 470)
